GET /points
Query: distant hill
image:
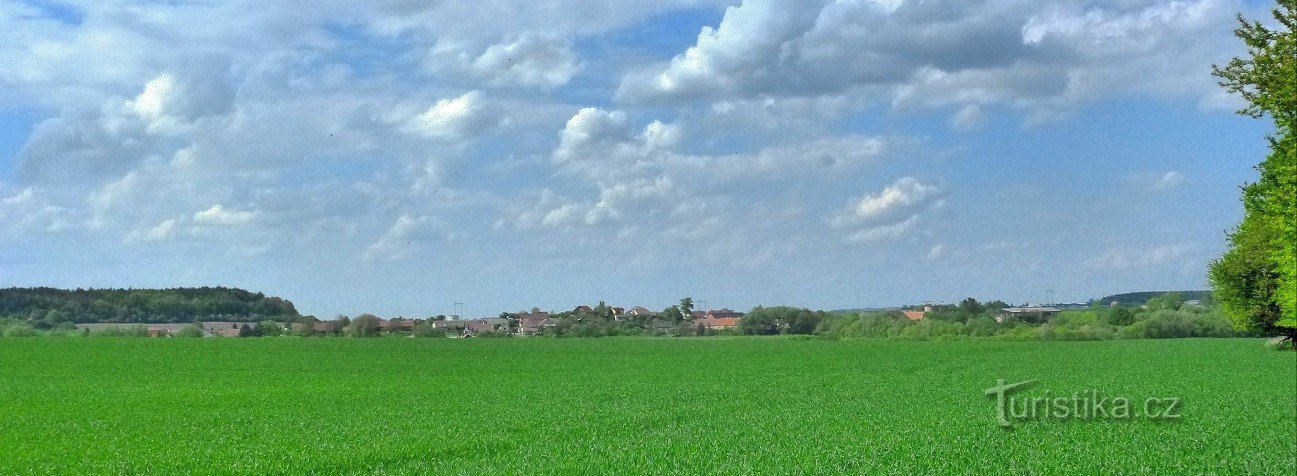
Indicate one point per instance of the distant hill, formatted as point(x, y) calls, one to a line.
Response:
point(1139, 298)
point(140, 305)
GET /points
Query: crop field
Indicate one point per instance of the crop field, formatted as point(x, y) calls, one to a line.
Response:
point(599, 406)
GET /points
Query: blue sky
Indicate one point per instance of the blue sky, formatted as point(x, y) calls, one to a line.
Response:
point(396, 158)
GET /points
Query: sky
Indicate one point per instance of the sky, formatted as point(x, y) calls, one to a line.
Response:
point(397, 157)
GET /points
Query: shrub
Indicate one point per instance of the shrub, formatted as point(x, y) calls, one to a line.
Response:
point(20, 330)
point(192, 330)
point(122, 331)
point(428, 331)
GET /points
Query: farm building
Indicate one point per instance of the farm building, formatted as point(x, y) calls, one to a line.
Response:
point(1027, 313)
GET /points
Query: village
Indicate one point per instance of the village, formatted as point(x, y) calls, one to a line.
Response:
point(523, 323)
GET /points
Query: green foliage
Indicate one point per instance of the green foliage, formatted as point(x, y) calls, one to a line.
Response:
point(780, 320)
point(20, 330)
point(47, 307)
point(1091, 324)
point(192, 330)
point(1256, 279)
point(1140, 298)
point(129, 331)
point(268, 329)
point(1166, 301)
point(424, 329)
point(365, 325)
point(1119, 315)
point(637, 406)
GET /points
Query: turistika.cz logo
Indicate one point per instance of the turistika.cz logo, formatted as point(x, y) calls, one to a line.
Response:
point(1082, 405)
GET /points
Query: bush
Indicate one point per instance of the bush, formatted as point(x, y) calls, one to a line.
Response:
point(428, 331)
point(1280, 343)
point(20, 330)
point(120, 331)
point(192, 330)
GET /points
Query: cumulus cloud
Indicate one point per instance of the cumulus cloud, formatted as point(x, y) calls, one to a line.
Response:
point(218, 215)
point(640, 174)
point(1040, 58)
point(453, 119)
point(531, 60)
point(891, 213)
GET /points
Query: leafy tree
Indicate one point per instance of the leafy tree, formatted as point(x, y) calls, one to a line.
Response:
point(365, 325)
point(970, 306)
point(268, 329)
point(192, 330)
point(779, 320)
point(672, 314)
point(1119, 315)
point(687, 306)
point(306, 326)
point(1256, 279)
point(1166, 301)
point(245, 331)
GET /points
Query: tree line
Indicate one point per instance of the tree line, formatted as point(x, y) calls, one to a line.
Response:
point(46, 308)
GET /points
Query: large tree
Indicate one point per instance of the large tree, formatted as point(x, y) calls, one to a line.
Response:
point(1256, 279)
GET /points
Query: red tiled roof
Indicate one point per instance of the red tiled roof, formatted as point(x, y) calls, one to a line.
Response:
point(914, 315)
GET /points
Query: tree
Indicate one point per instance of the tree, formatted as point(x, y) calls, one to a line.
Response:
point(1256, 279)
point(687, 306)
point(1166, 301)
point(672, 314)
point(306, 326)
point(970, 306)
point(365, 325)
point(268, 329)
point(1119, 315)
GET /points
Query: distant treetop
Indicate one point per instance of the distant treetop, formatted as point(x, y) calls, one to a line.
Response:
point(143, 305)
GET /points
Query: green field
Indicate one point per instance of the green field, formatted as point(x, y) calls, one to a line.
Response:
point(583, 406)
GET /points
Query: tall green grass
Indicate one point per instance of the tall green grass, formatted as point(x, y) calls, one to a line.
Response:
point(629, 405)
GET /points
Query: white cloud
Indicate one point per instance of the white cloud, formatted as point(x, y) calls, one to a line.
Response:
point(453, 119)
point(1121, 258)
point(531, 60)
point(218, 215)
point(892, 213)
point(405, 236)
point(162, 232)
point(1041, 59)
point(1167, 180)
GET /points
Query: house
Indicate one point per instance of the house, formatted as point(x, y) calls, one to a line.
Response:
point(618, 312)
point(914, 315)
point(1027, 313)
point(480, 326)
point(718, 323)
point(722, 314)
point(317, 327)
point(454, 327)
point(640, 311)
point(396, 325)
point(222, 329)
point(695, 315)
point(533, 326)
point(583, 308)
point(532, 323)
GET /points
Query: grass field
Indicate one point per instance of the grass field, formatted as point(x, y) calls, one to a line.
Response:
point(579, 406)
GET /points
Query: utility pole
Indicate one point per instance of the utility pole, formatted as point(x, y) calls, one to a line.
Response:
point(459, 309)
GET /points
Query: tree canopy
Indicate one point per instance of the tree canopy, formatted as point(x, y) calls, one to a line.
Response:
point(140, 305)
point(1256, 279)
